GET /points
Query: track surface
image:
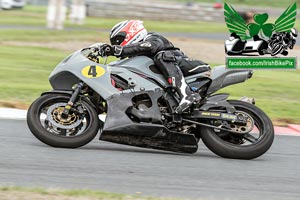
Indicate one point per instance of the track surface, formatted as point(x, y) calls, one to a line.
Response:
point(24, 161)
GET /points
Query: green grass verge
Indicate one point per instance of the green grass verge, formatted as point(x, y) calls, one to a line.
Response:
point(84, 194)
point(276, 92)
point(25, 70)
point(47, 36)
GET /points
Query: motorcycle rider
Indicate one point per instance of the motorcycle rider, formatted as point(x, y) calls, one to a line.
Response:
point(130, 38)
point(287, 38)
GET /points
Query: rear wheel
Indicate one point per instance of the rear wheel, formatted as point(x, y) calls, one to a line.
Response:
point(45, 121)
point(252, 141)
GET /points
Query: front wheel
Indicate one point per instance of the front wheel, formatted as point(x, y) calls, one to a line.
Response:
point(277, 48)
point(45, 120)
point(253, 140)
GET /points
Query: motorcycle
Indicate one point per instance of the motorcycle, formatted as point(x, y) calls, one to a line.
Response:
point(139, 108)
point(280, 43)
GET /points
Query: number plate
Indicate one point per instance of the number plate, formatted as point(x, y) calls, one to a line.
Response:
point(93, 71)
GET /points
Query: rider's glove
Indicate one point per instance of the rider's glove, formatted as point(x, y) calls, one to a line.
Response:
point(108, 50)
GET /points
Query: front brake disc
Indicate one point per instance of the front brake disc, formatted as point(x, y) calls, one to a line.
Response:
point(54, 117)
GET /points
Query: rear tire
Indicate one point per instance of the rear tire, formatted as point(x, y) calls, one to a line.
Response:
point(226, 149)
point(41, 128)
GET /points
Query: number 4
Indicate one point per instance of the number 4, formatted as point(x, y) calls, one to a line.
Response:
point(92, 71)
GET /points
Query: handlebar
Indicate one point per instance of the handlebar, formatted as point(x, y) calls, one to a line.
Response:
point(93, 53)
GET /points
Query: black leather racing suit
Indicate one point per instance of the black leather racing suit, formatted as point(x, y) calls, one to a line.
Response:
point(169, 59)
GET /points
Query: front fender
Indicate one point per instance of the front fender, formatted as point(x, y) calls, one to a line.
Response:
point(68, 92)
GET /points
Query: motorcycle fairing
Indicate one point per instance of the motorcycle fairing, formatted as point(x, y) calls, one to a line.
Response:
point(145, 66)
point(135, 119)
point(141, 77)
point(69, 72)
point(133, 107)
point(163, 140)
point(142, 65)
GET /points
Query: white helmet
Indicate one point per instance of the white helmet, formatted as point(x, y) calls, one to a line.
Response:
point(294, 32)
point(127, 32)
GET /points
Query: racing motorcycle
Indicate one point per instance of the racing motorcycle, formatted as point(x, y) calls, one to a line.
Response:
point(129, 102)
point(279, 43)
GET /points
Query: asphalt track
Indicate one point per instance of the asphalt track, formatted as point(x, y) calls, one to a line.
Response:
point(24, 161)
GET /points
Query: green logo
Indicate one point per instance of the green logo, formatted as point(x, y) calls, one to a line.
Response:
point(236, 24)
point(261, 63)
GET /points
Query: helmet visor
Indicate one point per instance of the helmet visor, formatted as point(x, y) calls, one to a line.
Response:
point(118, 39)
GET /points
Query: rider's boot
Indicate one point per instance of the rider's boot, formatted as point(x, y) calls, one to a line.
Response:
point(186, 94)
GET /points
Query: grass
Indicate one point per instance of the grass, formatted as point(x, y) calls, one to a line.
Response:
point(40, 193)
point(48, 36)
point(24, 71)
point(276, 92)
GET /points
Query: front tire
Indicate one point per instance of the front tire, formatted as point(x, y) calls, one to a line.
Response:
point(222, 146)
point(46, 125)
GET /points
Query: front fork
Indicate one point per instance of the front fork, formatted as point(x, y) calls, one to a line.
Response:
point(72, 100)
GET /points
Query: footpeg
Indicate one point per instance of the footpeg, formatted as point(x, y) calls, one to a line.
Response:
point(177, 118)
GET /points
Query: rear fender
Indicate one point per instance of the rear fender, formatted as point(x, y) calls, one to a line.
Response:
point(218, 101)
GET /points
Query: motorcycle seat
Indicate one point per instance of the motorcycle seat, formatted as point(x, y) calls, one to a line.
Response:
point(191, 67)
